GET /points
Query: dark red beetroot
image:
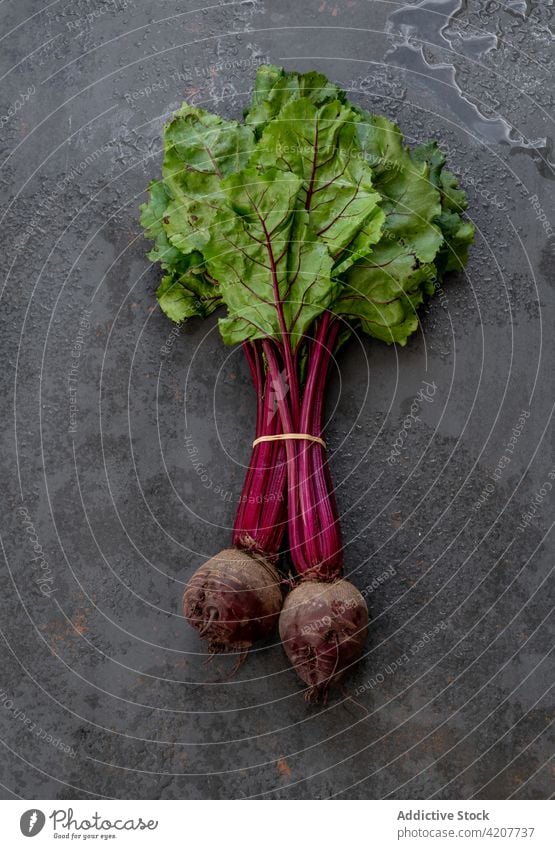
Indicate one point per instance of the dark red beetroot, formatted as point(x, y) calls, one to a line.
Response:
point(324, 621)
point(323, 628)
point(233, 600)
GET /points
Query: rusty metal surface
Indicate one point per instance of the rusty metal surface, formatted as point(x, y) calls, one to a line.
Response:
point(442, 452)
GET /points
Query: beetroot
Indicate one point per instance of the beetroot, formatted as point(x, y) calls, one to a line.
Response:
point(233, 600)
point(323, 627)
point(324, 621)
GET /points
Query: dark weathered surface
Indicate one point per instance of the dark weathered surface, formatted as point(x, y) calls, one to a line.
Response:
point(452, 697)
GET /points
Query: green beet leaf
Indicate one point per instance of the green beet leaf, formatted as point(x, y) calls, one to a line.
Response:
point(319, 144)
point(274, 274)
point(384, 291)
point(274, 88)
point(187, 295)
point(458, 232)
point(200, 149)
point(410, 200)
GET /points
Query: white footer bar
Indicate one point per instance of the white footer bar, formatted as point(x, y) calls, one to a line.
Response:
point(260, 825)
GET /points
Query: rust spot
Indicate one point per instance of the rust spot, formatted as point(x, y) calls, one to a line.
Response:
point(283, 767)
point(63, 636)
point(79, 624)
point(333, 10)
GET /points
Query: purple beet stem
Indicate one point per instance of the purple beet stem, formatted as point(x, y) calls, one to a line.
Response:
point(301, 466)
point(261, 522)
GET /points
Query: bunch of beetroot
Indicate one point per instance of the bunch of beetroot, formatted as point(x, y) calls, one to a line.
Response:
point(310, 219)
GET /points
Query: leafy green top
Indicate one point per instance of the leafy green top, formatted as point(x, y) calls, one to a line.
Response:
point(311, 204)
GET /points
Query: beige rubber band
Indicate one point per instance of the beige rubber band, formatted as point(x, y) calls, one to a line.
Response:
point(279, 436)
